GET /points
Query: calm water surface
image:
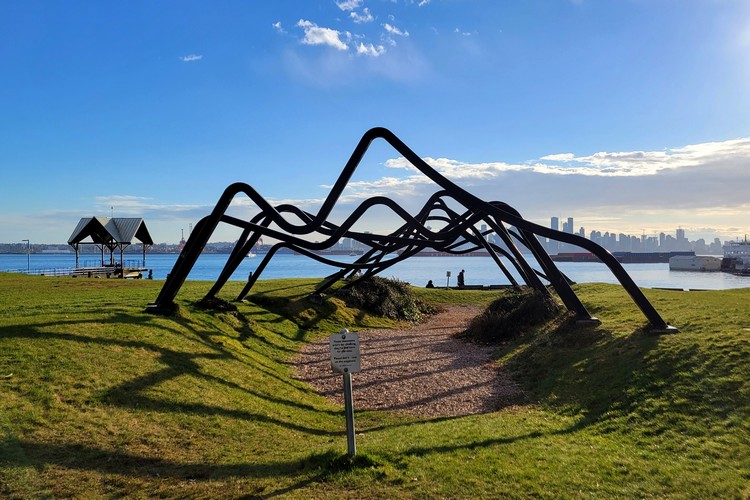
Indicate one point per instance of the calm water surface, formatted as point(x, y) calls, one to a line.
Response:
point(415, 270)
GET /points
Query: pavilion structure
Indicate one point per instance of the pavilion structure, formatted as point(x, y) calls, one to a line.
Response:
point(115, 233)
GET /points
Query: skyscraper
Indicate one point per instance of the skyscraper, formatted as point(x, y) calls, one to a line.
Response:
point(553, 246)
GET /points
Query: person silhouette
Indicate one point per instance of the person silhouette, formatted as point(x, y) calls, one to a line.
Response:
point(430, 284)
point(461, 279)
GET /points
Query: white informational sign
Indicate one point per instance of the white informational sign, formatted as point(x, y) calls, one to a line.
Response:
point(345, 352)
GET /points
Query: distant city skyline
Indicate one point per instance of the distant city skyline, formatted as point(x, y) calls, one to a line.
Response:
point(631, 115)
point(623, 242)
point(614, 241)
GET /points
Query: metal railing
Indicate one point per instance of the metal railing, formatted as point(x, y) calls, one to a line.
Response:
point(89, 266)
point(54, 271)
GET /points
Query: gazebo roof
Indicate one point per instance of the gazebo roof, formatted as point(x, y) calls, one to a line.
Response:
point(106, 230)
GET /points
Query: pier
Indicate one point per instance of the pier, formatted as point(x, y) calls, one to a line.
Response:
point(89, 272)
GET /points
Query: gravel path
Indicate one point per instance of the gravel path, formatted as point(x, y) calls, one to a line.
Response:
point(423, 370)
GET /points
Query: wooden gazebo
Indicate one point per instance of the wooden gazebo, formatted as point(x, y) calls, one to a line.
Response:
point(111, 233)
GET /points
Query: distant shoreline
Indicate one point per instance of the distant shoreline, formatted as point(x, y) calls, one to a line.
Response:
point(624, 257)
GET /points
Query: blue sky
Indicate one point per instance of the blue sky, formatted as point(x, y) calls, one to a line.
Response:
point(629, 115)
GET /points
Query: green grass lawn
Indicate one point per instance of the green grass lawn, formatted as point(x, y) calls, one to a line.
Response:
point(99, 398)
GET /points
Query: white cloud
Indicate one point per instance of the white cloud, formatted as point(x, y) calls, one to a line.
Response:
point(697, 187)
point(119, 198)
point(391, 187)
point(337, 68)
point(348, 5)
point(140, 206)
point(316, 35)
point(627, 191)
point(277, 26)
point(602, 164)
point(453, 169)
point(365, 17)
point(370, 50)
point(634, 163)
point(651, 191)
point(559, 157)
point(395, 31)
point(422, 3)
point(191, 58)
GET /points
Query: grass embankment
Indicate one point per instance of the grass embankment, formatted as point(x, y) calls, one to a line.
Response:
point(99, 398)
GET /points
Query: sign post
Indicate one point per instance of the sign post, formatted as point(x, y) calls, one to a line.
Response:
point(345, 359)
point(447, 279)
point(351, 443)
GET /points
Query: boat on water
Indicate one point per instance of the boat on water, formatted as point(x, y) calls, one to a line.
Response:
point(736, 257)
point(623, 257)
point(702, 263)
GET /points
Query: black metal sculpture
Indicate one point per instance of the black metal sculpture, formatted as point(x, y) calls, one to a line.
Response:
point(457, 236)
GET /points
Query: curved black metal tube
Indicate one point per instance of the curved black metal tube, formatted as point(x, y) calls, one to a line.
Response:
point(334, 232)
point(410, 238)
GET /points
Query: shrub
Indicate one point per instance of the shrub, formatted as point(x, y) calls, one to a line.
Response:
point(389, 298)
point(511, 315)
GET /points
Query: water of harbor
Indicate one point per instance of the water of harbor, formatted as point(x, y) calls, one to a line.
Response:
point(415, 270)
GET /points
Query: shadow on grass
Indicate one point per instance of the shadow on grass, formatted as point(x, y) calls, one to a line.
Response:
point(137, 394)
point(301, 472)
point(301, 310)
point(132, 394)
point(585, 371)
point(589, 373)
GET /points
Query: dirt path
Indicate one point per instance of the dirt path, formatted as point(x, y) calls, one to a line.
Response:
point(423, 370)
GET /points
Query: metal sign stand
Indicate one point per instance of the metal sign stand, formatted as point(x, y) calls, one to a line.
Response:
point(345, 359)
point(351, 443)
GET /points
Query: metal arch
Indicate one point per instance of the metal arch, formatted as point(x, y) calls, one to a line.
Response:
point(458, 236)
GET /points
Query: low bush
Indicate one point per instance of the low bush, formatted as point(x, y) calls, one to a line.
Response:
point(389, 298)
point(514, 313)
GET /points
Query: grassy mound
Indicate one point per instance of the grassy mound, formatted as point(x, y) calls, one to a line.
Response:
point(389, 298)
point(314, 313)
point(512, 314)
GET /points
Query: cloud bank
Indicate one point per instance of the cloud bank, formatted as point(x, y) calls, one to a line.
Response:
point(694, 186)
point(698, 187)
